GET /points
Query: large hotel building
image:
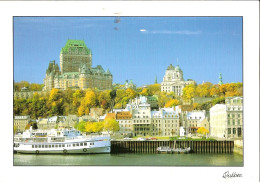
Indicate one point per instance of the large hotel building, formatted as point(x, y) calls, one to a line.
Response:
point(76, 70)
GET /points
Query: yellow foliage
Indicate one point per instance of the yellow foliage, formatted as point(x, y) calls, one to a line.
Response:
point(89, 126)
point(98, 127)
point(202, 131)
point(145, 92)
point(111, 125)
point(172, 102)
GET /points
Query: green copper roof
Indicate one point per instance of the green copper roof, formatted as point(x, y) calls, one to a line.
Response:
point(75, 44)
point(220, 79)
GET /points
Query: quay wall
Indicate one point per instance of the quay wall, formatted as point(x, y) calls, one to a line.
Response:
point(238, 147)
point(151, 146)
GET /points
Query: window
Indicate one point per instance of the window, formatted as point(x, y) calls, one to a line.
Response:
point(81, 144)
point(229, 130)
point(234, 130)
point(63, 145)
point(32, 146)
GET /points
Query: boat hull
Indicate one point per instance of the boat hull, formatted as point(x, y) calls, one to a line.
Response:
point(94, 150)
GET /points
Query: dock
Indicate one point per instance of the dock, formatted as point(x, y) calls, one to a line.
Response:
point(226, 146)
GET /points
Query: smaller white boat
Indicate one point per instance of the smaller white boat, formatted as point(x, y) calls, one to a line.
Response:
point(164, 149)
point(167, 149)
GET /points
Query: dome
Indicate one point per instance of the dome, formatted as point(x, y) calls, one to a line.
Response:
point(171, 67)
point(177, 68)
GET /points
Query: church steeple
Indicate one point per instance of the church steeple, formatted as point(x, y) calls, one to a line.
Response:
point(220, 79)
point(155, 81)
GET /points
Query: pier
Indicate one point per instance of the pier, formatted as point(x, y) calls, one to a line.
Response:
point(226, 146)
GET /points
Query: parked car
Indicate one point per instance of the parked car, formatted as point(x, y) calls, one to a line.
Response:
point(127, 138)
point(141, 139)
point(153, 138)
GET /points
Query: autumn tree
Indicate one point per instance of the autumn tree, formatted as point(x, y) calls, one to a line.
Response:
point(144, 92)
point(203, 89)
point(130, 93)
point(154, 89)
point(189, 92)
point(89, 126)
point(172, 102)
point(163, 99)
point(98, 127)
point(203, 131)
point(111, 125)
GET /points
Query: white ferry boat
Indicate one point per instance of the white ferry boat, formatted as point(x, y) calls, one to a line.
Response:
point(66, 141)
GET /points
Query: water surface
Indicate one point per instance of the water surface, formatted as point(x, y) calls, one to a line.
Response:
point(129, 160)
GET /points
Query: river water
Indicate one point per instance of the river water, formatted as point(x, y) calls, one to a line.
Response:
point(193, 159)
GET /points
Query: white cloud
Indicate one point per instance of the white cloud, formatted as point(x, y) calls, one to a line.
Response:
point(142, 30)
point(180, 32)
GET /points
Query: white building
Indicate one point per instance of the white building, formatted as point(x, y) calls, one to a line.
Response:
point(226, 120)
point(192, 120)
point(173, 80)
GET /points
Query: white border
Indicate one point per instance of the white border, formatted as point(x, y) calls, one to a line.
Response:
point(250, 13)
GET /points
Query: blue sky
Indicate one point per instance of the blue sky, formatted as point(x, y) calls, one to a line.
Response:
point(137, 48)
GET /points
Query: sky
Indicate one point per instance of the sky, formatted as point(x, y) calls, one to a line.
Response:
point(136, 48)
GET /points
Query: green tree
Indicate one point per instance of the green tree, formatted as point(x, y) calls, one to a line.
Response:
point(81, 126)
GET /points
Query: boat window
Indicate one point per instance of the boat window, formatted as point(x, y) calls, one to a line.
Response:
point(52, 146)
point(74, 144)
point(77, 144)
point(32, 146)
point(40, 146)
point(63, 145)
point(49, 146)
point(85, 144)
point(56, 146)
point(60, 145)
point(81, 144)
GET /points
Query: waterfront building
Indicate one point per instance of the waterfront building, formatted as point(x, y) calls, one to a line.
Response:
point(173, 80)
point(47, 123)
point(193, 120)
point(20, 122)
point(141, 118)
point(76, 70)
point(163, 122)
point(124, 119)
point(95, 113)
point(170, 122)
point(226, 120)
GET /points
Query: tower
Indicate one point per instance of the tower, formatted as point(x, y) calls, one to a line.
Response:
point(220, 79)
point(73, 55)
point(155, 81)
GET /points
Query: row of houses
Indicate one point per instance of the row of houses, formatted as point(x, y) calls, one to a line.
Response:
point(140, 119)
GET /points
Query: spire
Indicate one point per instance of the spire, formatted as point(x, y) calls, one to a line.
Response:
point(155, 81)
point(220, 79)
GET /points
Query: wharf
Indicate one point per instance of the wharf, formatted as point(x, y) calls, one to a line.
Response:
point(226, 146)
